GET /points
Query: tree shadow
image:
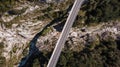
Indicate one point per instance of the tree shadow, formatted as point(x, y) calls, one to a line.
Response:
point(59, 26)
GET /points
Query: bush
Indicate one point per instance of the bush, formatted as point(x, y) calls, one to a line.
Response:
point(101, 10)
point(6, 5)
point(2, 61)
point(102, 55)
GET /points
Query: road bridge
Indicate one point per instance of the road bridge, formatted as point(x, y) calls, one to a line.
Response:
point(61, 41)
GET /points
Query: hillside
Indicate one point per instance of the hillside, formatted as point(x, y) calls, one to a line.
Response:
point(31, 28)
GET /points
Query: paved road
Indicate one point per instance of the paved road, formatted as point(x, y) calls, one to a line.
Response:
point(61, 41)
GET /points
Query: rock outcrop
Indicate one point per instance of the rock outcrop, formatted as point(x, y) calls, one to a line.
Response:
point(35, 26)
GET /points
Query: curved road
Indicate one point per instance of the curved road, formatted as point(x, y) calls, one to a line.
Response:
point(61, 41)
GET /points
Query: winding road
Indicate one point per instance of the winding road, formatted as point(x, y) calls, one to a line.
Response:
point(61, 41)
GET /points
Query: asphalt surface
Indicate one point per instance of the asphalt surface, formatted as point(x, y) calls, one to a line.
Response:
point(61, 41)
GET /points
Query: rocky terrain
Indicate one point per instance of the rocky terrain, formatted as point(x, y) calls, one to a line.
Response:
point(40, 24)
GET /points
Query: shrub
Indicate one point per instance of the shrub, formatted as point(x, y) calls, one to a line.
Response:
point(101, 10)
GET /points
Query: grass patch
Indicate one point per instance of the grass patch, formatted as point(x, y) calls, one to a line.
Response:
point(46, 31)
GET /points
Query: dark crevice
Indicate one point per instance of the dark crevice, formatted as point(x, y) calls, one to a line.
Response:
point(60, 26)
point(118, 44)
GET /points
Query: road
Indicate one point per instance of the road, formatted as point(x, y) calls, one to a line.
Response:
point(61, 41)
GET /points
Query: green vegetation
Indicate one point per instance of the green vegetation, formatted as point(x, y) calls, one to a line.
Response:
point(46, 31)
point(1, 45)
point(100, 52)
point(101, 10)
point(5, 5)
point(14, 49)
point(17, 12)
point(36, 63)
point(2, 59)
point(13, 61)
point(106, 54)
point(93, 11)
point(16, 19)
